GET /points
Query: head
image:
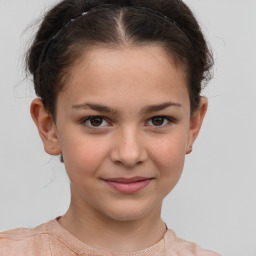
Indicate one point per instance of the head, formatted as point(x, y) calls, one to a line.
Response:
point(141, 75)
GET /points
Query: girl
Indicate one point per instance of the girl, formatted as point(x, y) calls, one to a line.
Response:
point(119, 87)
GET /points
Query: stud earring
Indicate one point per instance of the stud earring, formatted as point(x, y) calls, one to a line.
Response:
point(189, 150)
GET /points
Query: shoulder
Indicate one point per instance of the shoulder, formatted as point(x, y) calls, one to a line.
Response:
point(180, 247)
point(25, 241)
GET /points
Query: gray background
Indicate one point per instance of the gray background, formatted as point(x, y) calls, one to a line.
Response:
point(214, 203)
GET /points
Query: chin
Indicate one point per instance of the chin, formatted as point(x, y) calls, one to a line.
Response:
point(129, 212)
point(122, 216)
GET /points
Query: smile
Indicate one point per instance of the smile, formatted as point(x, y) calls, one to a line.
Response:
point(128, 186)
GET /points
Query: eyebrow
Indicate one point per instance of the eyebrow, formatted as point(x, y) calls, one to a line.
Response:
point(96, 107)
point(108, 110)
point(155, 108)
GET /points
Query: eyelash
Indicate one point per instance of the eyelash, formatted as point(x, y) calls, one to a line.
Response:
point(167, 120)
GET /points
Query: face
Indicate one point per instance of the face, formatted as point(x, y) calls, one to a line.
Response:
point(123, 126)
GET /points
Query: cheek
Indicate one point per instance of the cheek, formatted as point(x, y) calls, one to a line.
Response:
point(83, 155)
point(170, 150)
point(169, 155)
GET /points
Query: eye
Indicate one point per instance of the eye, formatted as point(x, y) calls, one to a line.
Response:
point(159, 121)
point(95, 121)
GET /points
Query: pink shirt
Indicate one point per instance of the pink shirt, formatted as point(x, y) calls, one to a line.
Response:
point(51, 239)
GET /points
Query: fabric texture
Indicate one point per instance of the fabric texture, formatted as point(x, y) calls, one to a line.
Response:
point(51, 239)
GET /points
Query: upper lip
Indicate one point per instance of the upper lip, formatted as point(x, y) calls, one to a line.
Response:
point(127, 180)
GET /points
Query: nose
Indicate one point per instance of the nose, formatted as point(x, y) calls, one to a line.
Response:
point(128, 149)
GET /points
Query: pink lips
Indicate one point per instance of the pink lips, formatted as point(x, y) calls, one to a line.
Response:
point(128, 186)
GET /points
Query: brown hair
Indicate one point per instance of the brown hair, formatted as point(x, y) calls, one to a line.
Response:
point(58, 45)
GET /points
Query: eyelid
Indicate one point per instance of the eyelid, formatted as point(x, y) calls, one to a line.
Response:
point(83, 121)
point(169, 119)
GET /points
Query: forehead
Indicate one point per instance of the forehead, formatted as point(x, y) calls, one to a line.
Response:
point(127, 72)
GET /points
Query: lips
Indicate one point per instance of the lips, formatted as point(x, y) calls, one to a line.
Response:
point(128, 180)
point(128, 185)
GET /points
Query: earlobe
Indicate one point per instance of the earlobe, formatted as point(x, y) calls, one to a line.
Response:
point(196, 121)
point(46, 127)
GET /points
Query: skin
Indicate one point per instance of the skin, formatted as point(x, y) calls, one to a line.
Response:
point(127, 143)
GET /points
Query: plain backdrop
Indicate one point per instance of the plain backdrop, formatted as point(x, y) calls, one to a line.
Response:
point(214, 204)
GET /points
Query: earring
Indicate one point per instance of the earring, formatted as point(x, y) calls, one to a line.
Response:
point(189, 150)
point(61, 158)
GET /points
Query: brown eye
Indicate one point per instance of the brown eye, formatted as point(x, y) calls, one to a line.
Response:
point(95, 121)
point(158, 121)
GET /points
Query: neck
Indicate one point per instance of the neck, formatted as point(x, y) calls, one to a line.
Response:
point(87, 224)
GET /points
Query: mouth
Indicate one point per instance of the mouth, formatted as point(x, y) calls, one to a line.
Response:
point(128, 185)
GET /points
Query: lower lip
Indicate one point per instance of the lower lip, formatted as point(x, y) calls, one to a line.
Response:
point(129, 188)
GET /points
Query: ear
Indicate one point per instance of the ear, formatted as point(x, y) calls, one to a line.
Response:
point(46, 127)
point(196, 121)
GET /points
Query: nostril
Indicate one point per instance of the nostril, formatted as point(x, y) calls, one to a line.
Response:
point(128, 164)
